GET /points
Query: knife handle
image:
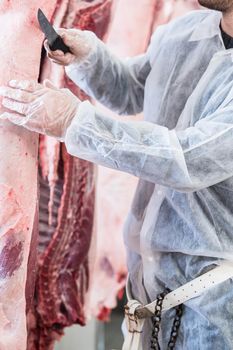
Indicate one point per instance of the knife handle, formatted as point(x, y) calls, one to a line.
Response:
point(59, 44)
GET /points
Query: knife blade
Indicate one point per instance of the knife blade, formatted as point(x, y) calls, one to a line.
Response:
point(54, 39)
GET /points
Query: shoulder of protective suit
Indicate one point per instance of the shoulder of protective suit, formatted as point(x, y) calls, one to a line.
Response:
point(178, 30)
point(189, 21)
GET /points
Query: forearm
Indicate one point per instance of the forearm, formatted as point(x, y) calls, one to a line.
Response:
point(188, 160)
point(117, 84)
point(142, 149)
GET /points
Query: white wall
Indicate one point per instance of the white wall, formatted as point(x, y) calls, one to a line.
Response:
point(90, 337)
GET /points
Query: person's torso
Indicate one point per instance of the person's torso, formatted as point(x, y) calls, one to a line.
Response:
point(162, 220)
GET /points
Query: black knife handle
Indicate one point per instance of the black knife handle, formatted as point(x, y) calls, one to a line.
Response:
point(59, 44)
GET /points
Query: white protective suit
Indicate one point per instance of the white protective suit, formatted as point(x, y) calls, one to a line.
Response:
point(181, 221)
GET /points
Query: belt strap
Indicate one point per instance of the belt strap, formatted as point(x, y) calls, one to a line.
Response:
point(134, 326)
point(135, 313)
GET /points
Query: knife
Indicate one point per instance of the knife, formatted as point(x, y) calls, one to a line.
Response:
point(54, 40)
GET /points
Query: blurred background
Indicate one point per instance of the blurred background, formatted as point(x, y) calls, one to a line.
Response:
point(96, 335)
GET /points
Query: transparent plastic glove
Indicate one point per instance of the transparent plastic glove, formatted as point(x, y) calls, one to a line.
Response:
point(81, 44)
point(41, 108)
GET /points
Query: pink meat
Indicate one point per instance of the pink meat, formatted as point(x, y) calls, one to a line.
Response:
point(66, 209)
point(63, 273)
point(132, 26)
point(18, 163)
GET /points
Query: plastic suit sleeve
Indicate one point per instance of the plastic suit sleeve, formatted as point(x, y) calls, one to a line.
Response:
point(117, 84)
point(187, 160)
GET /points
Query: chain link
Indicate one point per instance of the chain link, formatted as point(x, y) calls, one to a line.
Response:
point(156, 320)
point(175, 327)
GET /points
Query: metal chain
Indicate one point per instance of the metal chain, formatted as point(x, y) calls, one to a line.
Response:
point(156, 320)
point(175, 327)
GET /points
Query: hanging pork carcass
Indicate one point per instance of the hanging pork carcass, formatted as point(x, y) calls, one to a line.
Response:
point(44, 277)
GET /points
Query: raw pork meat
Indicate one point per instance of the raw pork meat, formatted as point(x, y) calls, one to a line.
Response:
point(66, 208)
point(62, 269)
point(18, 176)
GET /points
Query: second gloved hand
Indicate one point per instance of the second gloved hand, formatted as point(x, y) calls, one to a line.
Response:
point(41, 108)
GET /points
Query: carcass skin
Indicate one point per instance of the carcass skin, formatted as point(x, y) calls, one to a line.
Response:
point(132, 20)
point(18, 164)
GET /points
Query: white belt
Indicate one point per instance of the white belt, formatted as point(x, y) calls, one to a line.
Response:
point(135, 313)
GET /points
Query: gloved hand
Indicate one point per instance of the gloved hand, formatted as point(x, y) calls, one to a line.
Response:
point(41, 108)
point(80, 42)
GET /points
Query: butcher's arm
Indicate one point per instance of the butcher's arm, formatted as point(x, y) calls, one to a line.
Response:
point(188, 160)
point(117, 84)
